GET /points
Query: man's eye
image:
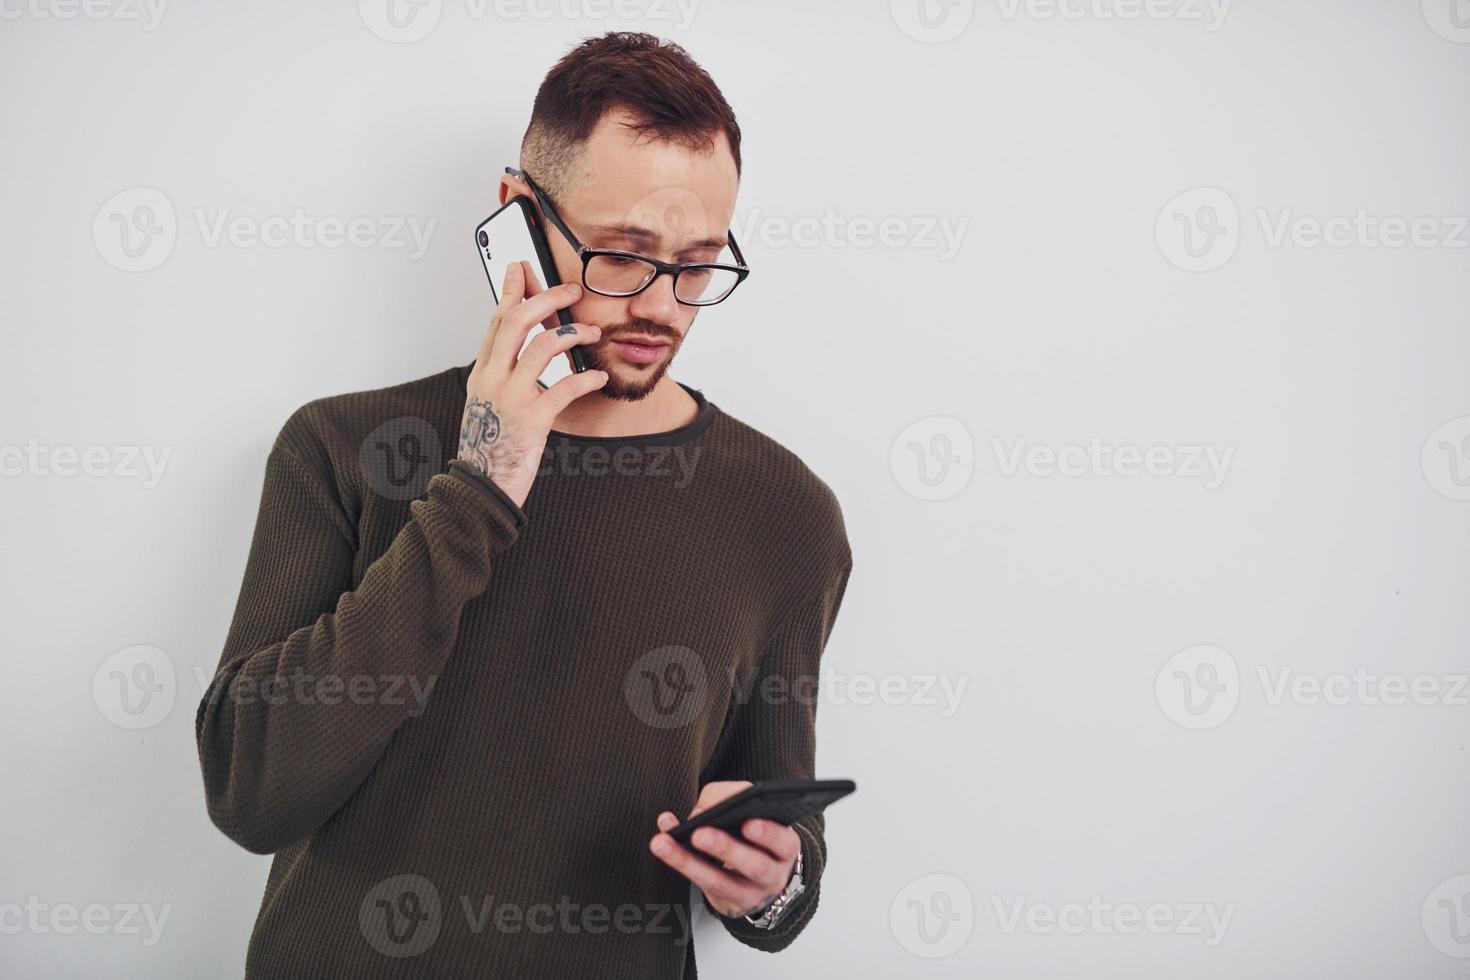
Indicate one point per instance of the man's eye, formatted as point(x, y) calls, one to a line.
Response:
point(619, 260)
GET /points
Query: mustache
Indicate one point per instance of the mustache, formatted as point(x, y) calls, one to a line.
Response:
point(648, 328)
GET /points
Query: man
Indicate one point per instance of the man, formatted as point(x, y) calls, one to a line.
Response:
point(463, 714)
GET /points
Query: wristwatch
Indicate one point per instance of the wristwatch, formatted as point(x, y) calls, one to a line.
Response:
point(774, 911)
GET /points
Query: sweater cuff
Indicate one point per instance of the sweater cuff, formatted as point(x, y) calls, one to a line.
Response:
point(465, 473)
point(784, 932)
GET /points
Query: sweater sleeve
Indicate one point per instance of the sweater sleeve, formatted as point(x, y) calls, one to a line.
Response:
point(316, 676)
point(773, 736)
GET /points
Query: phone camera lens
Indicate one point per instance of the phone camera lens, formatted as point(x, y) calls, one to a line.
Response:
point(484, 240)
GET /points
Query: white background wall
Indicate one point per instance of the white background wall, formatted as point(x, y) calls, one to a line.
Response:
point(1334, 541)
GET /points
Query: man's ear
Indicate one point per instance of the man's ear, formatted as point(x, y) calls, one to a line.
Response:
point(511, 186)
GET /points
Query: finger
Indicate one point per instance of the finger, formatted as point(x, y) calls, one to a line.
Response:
point(750, 861)
point(558, 397)
point(520, 320)
point(666, 820)
point(777, 839)
point(512, 289)
point(720, 886)
point(533, 286)
point(547, 344)
point(718, 792)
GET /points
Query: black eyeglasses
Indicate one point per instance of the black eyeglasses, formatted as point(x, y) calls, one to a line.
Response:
point(614, 272)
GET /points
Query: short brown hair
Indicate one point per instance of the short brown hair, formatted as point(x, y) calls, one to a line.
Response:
point(661, 87)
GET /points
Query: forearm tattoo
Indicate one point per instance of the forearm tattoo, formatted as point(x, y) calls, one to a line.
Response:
point(479, 436)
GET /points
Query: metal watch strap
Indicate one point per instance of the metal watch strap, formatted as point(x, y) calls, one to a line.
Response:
point(776, 910)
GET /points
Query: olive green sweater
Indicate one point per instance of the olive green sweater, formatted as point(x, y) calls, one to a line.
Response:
point(453, 720)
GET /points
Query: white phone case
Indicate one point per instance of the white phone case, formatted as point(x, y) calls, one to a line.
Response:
point(501, 239)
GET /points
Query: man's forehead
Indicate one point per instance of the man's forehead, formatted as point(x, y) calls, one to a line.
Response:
point(643, 187)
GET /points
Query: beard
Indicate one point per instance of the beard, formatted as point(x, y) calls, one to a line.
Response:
point(631, 382)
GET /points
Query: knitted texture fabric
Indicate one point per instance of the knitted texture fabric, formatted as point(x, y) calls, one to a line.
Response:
point(453, 720)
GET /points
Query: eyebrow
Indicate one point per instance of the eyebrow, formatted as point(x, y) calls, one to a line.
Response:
point(621, 230)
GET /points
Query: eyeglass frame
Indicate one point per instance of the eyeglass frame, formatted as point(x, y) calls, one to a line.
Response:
point(587, 253)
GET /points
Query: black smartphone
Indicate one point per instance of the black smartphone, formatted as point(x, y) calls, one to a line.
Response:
point(513, 234)
point(782, 800)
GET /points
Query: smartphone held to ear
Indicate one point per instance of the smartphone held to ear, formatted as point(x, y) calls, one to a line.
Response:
point(513, 234)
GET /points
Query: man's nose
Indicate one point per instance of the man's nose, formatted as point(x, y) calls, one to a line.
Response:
point(657, 302)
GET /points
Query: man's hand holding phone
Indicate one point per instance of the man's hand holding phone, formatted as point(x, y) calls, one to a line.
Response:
point(754, 865)
point(508, 415)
